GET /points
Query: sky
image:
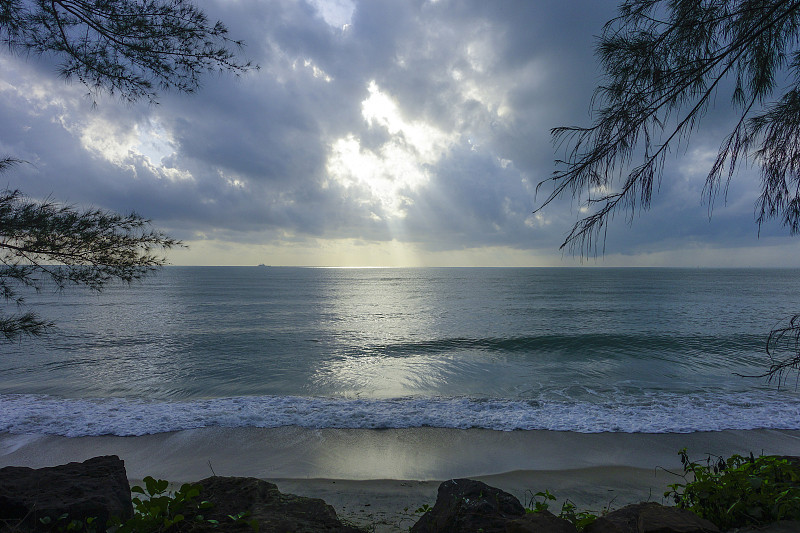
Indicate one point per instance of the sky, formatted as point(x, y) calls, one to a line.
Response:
point(375, 133)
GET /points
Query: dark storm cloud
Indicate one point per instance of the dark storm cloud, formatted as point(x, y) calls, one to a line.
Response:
point(482, 81)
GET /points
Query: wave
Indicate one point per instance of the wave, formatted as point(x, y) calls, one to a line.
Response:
point(652, 413)
point(578, 343)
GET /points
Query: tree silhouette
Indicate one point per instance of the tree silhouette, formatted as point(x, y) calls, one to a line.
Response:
point(665, 62)
point(129, 48)
point(47, 243)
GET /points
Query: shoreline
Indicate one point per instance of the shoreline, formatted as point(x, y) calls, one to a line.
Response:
point(424, 453)
point(372, 476)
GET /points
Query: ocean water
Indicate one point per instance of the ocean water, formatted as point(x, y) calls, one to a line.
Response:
point(587, 350)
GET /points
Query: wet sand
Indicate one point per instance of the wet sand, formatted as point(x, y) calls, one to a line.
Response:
point(372, 476)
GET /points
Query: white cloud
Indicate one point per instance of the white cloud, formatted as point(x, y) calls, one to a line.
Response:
point(113, 142)
point(314, 69)
point(424, 124)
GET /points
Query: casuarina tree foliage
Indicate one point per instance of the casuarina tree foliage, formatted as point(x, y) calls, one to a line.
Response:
point(666, 62)
point(129, 48)
point(47, 244)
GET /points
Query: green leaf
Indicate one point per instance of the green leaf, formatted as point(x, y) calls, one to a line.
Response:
point(151, 485)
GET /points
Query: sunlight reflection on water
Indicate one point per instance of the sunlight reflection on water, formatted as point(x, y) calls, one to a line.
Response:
point(383, 333)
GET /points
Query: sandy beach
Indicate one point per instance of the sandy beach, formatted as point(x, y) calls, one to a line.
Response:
point(376, 478)
point(388, 505)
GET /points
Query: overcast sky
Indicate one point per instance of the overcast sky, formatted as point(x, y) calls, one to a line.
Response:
point(377, 132)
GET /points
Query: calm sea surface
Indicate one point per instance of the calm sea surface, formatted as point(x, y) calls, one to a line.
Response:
point(589, 350)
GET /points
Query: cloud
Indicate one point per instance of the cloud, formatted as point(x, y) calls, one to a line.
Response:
point(405, 124)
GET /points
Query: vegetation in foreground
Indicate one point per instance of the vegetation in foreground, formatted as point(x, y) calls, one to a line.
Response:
point(734, 492)
point(739, 491)
point(730, 493)
point(580, 519)
point(157, 510)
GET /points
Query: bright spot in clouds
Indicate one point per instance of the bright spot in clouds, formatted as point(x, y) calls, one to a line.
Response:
point(336, 13)
point(155, 142)
point(401, 165)
point(110, 141)
point(132, 147)
point(117, 143)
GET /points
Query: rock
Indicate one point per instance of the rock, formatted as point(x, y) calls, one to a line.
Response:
point(651, 518)
point(468, 505)
point(542, 522)
point(263, 502)
point(782, 526)
point(96, 488)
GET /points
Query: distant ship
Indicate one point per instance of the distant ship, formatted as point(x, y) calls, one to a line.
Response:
point(263, 265)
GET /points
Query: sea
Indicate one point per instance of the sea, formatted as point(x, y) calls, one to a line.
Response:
point(588, 350)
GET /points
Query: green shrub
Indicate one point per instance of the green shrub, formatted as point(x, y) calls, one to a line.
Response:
point(580, 519)
point(160, 509)
point(739, 491)
point(63, 524)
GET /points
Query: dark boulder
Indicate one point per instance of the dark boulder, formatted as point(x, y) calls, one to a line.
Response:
point(96, 488)
point(782, 526)
point(468, 505)
point(651, 518)
point(250, 499)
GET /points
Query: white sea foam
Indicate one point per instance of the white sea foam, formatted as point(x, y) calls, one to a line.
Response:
point(656, 413)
